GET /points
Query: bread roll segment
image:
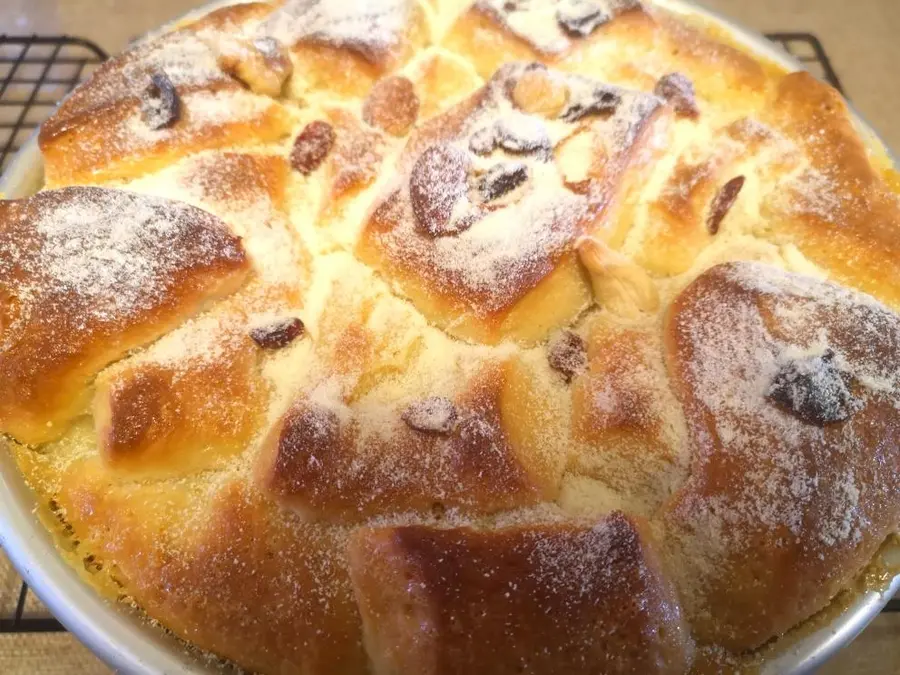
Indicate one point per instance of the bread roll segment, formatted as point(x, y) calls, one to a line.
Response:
point(454, 336)
point(556, 598)
point(87, 275)
point(785, 503)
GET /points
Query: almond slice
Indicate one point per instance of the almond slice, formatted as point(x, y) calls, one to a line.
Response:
point(620, 286)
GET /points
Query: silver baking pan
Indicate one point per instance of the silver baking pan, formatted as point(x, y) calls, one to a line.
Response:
point(130, 644)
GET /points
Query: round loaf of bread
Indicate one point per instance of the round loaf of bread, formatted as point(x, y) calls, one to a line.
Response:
point(424, 337)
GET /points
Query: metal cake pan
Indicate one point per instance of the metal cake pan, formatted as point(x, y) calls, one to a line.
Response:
point(126, 641)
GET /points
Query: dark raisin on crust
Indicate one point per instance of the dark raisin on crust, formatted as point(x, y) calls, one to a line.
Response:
point(439, 179)
point(580, 18)
point(160, 104)
point(501, 179)
point(312, 146)
point(814, 390)
point(601, 101)
point(278, 334)
point(434, 414)
point(567, 354)
point(722, 203)
point(678, 90)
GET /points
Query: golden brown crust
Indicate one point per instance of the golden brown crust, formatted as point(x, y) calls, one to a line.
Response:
point(102, 272)
point(105, 145)
point(459, 281)
point(232, 17)
point(342, 49)
point(780, 512)
point(531, 599)
point(472, 465)
point(295, 610)
point(100, 133)
point(167, 418)
point(490, 35)
point(839, 212)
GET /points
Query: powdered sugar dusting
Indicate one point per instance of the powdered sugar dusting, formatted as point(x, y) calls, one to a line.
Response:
point(501, 255)
point(814, 193)
point(186, 59)
point(370, 27)
point(504, 250)
point(538, 21)
point(573, 569)
point(201, 109)
point(109, 254)
point(791, 475)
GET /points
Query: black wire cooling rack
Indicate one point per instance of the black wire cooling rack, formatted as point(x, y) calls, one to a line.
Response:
point(35, 73)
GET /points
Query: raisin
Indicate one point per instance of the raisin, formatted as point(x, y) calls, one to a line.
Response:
point(392, 105)
point(501, 179)
point(523, 135)
point(580, 18)
point(483, 141)
point(596, 101)
point(312, 146)
point(278, 334)
point(678, 90)
point(160, 105)
point(567, 354)
point(434, 414)
point(439, 179)
point(814, 390)
point(722, 203)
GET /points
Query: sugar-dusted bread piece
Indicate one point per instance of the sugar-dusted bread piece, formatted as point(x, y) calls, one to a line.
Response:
point(342, 48)
point(838, 209)
point(406, 419)
point(428, 456)
point(87, 275)
point(122, 122)
point(193, 399)
point(714, 190)
point(480, 231)
point(355, 156)
point(235, 577)
point(198, 396)
point(791, 389)
point(492, 32)
point(633, 43)
point(625, 419)
point(250, 192)
point(553, 598)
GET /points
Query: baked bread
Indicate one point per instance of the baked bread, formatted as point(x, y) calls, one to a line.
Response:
point(431, 336)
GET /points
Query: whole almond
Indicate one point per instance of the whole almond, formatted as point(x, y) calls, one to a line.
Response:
point(538, 92)
point(392, 105)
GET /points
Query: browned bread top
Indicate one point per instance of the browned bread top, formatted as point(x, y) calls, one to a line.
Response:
point(89, 274)
point(432, 336)
point(791, 389)
point(451, 600)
